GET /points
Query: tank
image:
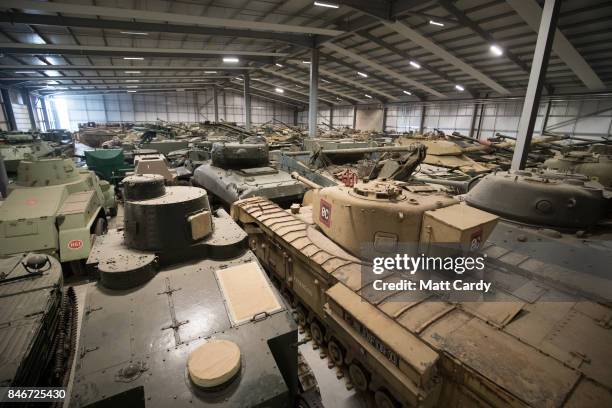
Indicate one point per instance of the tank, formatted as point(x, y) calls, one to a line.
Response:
point(17, 146)
point(38, 322)
point(96, 136)
point(62, 136)
point(108, 164)
point(595, 163)
point(239, 170)
point(182, 314)
point(537, 340)
point(154, 163)
point(55, 208)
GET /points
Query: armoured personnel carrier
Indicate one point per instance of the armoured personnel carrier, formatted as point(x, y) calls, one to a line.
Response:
point(17, 146)
point(38, 322)
point(55, 208)
point(183, 314)
point(240, 170)
point(534, 341)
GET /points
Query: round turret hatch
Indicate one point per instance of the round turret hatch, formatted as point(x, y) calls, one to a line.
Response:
point(381, 190)
point(214, 363)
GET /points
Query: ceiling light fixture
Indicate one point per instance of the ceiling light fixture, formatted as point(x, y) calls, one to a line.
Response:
point(361, 74)
point(459, 88)
point(279, 90)
point(407, 93)
point(496, 50)
point(210, 72)
point(130, 91)
point(132, 80)
point(415, 64)
point(238, 78)
point(328, 5)
point(25, 72)
point(132, 72)
point(132, 86)
point(305, 62)
point(325, 80)
point(230, 59)
point(279, 65)
point(368, 96)
point(436, 23)
point(133, 58)
point(133, 33)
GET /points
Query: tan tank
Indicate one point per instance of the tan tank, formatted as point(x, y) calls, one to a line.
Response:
point(517, 349)
point(444, 153)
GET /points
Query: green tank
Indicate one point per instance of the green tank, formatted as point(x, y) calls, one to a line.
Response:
point(54, 208)
point(17, 146)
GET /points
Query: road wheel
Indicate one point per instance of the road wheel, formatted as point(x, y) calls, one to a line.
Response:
point(316, 331)
point(384, 400)
point(101, 227)
point(359, 377)
point(336, 353)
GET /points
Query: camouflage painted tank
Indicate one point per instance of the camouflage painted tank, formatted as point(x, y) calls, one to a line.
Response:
point(16, 146)
point(54, 208)
point(183, 314)
point(38, 322)
point(239, 170)
point(534, 341)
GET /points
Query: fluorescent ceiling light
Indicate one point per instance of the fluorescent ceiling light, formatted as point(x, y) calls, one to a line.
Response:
point(131, 91)
point(297, 86)
point(328, 5)
point(210, 72)
point(338, 99)
point(25, 72)
point(407, 93)
point(279, 90)
point(180, 89)
point(132, 72)
point(459, 88)
point(496, 50)
point(436, 23)
point(133, 58)
point(238, 78)
point(279, 65)
point(131, 86)
point(133, 33)
point(52, 82)
point(230, 59)
point(361, 74)
point(132, 80)
point(200, 80)
point(305, 62)
point(415, 64)
point(325, 80)
point(60, 88)
point(367, 96)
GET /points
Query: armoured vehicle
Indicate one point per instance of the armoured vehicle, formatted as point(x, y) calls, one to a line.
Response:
point(17, 146)
point(108, 164)
point(182, 314)
point(62, 136)
point(240, 170)
point(540, 338)
point(594, 162)
point(55, 208)
point(38, 322)
point(96, 136)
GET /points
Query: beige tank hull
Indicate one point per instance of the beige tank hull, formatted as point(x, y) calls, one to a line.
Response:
point(518, 351)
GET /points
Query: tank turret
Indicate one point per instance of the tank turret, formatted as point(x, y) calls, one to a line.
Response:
point(595, 163)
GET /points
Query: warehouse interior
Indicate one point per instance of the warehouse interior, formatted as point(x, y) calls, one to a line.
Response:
point(195, 196)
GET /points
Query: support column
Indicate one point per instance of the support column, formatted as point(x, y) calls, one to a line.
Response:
point(473, 122)
point(545, 118)
point(8, 110)
point(422, 124)
point(331, 117)
point(216, 103)
point(313, 93)
point(354, 117)
point(4, 182)
point(43, 106)
point(295, 117)
point(25, 94)
point(480, 119)
point(247, 102)
point(541, 57)
point(384, 120)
